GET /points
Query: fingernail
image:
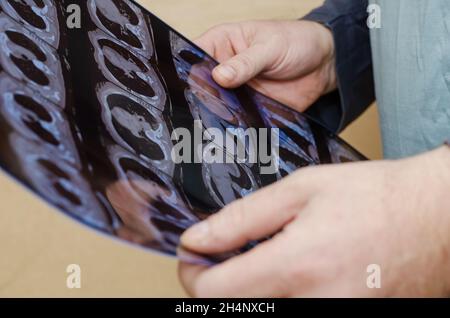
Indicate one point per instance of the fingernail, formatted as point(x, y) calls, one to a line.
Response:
point(226, 72)
point(196, 235)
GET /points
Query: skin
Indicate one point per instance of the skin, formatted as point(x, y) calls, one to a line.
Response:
point(329, 222)
point(293, 67)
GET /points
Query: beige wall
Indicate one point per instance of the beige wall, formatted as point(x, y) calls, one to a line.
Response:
point(37, 243)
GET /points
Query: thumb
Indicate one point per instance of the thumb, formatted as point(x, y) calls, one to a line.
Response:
point(244, 66)
point(258, 215)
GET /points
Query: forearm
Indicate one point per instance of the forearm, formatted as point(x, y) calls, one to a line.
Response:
point(444, 156)
point(436, 194)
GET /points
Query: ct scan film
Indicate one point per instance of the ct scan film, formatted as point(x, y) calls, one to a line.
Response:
point(118, 123)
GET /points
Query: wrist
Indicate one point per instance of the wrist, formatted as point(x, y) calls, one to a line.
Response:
point(441, 160)
point(428, 184)
point(327, 46)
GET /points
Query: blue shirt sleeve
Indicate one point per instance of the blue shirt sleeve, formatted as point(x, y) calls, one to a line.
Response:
point(347, 21)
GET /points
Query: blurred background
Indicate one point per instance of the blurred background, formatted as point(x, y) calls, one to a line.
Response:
point(37, 243)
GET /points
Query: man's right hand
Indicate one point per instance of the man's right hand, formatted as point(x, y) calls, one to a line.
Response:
point(290, 61)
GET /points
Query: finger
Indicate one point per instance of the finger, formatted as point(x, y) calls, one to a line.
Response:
point(206, 43)
point(253, 217)
point(221, 42)
point(298, 94)
point(188, 275)
point(243, 67)
point(257, 273)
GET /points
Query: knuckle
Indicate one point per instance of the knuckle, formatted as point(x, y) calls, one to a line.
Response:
point(246, 63)
point(221, 28)
point(249, 29)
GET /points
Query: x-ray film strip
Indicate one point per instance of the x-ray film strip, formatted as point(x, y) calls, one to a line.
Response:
point(87, 117)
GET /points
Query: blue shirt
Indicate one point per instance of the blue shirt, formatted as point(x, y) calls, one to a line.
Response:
point(408, 62)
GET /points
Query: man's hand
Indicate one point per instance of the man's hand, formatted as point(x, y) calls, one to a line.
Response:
point(290, 61)
point(335, 221)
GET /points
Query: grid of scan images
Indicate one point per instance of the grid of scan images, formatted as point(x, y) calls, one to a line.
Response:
point(87, 117)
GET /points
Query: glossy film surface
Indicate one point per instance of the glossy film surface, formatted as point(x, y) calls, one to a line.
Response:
point(87, 118)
